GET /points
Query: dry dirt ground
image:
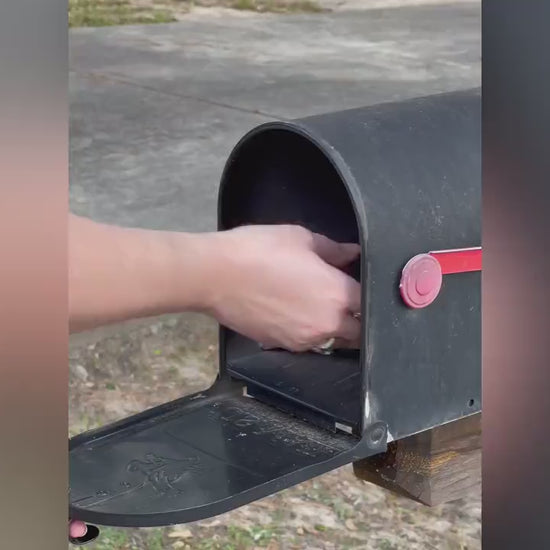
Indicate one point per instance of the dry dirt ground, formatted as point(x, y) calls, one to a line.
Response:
point(118, 371)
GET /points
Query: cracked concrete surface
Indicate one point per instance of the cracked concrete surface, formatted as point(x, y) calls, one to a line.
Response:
point(155, 110)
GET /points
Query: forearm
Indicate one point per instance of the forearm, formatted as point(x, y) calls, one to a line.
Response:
point(117, 273)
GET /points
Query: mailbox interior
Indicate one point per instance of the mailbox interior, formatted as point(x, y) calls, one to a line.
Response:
point(278, 175)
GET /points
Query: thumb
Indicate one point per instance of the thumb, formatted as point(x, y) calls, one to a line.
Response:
point(333, 253)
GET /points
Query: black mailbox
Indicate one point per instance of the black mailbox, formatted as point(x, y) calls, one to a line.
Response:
point(404, 180)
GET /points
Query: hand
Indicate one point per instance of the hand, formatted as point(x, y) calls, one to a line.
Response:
point(282, 287)
point(279, 285)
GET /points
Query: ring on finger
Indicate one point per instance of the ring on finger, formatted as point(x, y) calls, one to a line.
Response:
point(326, 348)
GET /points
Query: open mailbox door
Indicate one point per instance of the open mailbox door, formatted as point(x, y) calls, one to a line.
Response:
point(402, 179)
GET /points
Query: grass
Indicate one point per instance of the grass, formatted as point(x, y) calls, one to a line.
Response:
point(277, 6)
point(238, 538)
point(103, 13)
point(113, 539)
point(121, 539)
point(232, 538)
point(155, 540)
point(385, 544)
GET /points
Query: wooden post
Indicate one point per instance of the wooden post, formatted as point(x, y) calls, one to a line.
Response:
point(431, 467)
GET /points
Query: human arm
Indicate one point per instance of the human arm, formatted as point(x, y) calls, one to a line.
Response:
point(279, 285)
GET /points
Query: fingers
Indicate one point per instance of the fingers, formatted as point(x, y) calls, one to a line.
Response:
point(269, 346)
point(77, 529)
point(333, 253)
point(353, 295)
point(349, 333)
point(342, 309)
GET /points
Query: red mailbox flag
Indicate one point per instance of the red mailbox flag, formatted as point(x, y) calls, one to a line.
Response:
point(422, 276)
point(459, 260)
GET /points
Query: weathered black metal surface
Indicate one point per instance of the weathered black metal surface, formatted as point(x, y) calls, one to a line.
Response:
point(401, 179)
point(195, 458)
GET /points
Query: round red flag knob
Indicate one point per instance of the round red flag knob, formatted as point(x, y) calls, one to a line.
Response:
point(421, 281)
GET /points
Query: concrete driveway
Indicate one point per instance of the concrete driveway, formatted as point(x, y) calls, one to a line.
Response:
point(155, 110)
